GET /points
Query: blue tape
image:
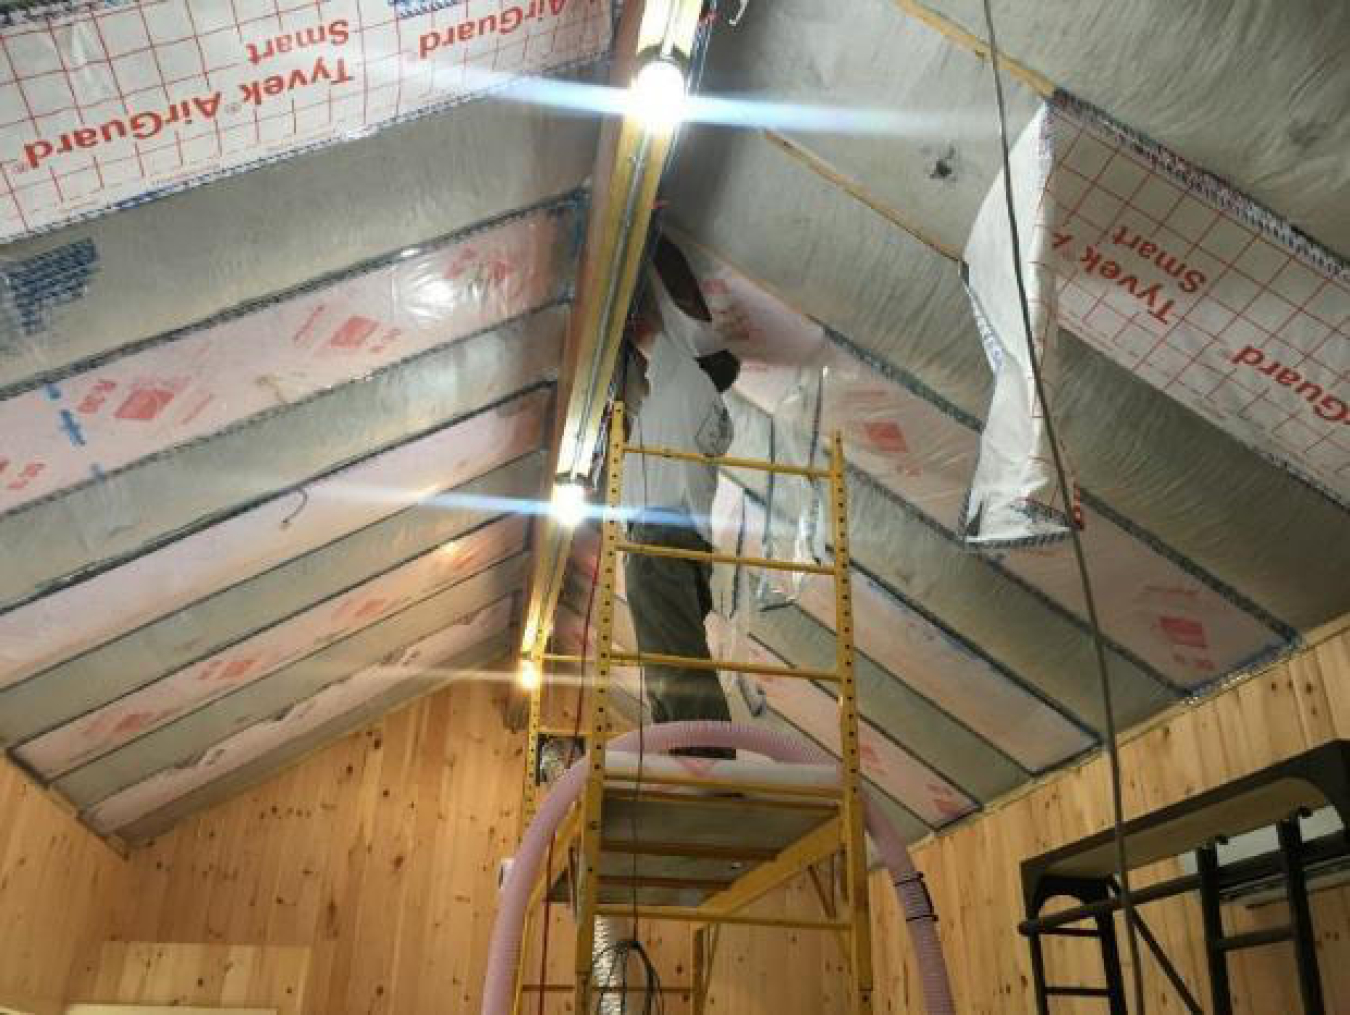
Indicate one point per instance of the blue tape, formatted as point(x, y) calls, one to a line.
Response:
point(36, 285)
point(412, 8)
point(71, 427)
point(54, 10)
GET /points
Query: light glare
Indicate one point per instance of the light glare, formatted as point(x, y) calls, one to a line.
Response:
point(569, 504)
point(657, 96)
point(528, 675)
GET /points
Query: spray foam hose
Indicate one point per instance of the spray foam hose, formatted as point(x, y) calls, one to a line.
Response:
point(504, 952)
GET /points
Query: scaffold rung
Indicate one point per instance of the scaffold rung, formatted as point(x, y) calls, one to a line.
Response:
point(724, 785)
point(690, 914)
point(725, 461)
point(712, 557)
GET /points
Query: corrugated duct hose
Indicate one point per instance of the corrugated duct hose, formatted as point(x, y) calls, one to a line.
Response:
point(504, 952)
point(607, 958)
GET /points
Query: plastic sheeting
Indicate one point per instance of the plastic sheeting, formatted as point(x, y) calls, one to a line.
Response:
point(135, 406)
point(1158, 605)
point(40, 633)
point(1015, 494)
point(191, 734)
point(298, 222)
point(253, 658)
point(363, 359)
point(409, 664)
point(115, 103)
point(874, 269)
point(1207, 297)
point(100, 525)
point(358, 397)
point(144, 654)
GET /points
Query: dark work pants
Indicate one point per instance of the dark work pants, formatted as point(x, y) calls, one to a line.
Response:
point(669, 600)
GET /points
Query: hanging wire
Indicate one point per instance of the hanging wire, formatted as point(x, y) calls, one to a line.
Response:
point(617, 955)
point(1080, 558)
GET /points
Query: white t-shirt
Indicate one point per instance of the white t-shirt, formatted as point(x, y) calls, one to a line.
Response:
point(683, 411)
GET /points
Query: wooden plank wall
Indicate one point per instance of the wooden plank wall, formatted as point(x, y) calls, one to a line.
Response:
point(973, 871)
point(375, 863)
point(58, 886)
point(199, 975)
point(364, 880)
point(379, 854)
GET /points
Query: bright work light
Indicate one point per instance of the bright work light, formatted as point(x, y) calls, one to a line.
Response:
point(528, 675)
point(569, 504)
point(657, 95)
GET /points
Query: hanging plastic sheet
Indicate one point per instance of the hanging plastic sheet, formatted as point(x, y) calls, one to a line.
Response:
point(795, 515)
point(111, 103)
point(922, 451)
point(1015, 498)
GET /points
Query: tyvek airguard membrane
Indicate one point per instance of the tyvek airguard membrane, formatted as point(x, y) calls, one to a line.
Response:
point(114, 103)
point(1203, 294)
point(47, 630)
point(1161, 607)
point(100, 419)
point(409, 664)
point(269, 650)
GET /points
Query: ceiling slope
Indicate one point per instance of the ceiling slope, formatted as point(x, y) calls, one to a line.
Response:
point(274, 444)
point(1252, 91)
point(260, 752)
point(838, 250)
point(186, 737)
point(183, 639)
point(1143, 456)
point(317, 215)
point(276, 441)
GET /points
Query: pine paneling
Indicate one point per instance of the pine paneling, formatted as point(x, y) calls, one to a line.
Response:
point(58, 886)
point(199, 975)
point(374, 864)
point(377, 856)
point(973, 871)
point(365, 879)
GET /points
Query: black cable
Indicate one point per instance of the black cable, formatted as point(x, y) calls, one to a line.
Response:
point(642, 699)
point(618, 955)
point(1061, 477)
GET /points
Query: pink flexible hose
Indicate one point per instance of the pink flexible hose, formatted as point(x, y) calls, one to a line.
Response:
point(504, 952)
